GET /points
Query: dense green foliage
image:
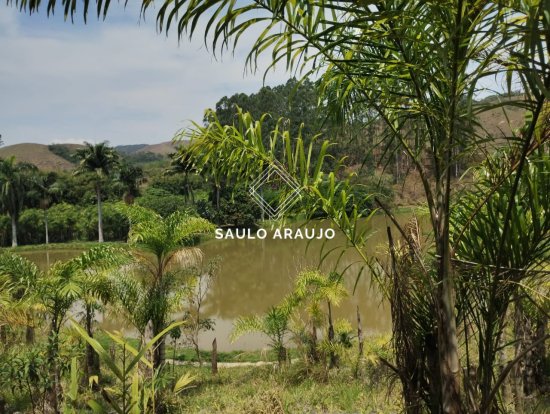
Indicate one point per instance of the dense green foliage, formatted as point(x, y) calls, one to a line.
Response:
point(236, 208)
point(63, 151)
point(410, 69)
point(295, 102)
point(67, 223)
point(66, 200)
point(15, 185)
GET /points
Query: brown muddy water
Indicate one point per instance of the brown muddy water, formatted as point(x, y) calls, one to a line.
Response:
point(256, 274)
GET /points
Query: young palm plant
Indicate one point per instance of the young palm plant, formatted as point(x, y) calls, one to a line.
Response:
point(312, 291)
point(275, 324)
point(154, 287)
point(136, 394)
point(489, 281)
point(55, 291)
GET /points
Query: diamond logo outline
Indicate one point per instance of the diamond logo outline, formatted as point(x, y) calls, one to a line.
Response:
point(288, 201)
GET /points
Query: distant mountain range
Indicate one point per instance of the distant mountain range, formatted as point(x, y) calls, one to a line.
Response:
point(56, 157)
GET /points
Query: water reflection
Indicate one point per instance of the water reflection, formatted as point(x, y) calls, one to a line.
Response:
point(256, 274)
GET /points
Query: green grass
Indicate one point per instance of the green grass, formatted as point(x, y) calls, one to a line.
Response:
point(106, 342)
point(76, 245)
point(293, 390)
point(188, 354)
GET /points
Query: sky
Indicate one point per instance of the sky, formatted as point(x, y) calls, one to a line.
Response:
point(116, 80)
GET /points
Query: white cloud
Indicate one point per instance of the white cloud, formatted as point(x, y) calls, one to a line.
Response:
point(116, 80)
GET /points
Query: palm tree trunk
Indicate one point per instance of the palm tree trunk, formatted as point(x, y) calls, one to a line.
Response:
point(447, 335)
point(29, 335)
point(54, 391)
point(92, 359)
point(360, 344)
point(281, 355)
point(214, 357)
point(314, 356)
point(99, 214)
point(13, 230)
point(190, 188)
point(159, 355)
point(46, 226)
point(159, 358)
point(333, 357)
point(3, 335)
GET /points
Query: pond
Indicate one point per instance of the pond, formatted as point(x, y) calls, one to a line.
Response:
point(256, 274)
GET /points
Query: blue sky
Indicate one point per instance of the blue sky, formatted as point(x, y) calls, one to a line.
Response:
point(117, 80)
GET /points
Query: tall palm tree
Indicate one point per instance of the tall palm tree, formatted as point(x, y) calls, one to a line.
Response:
point(162, 251)
point(182, 163)
point(47, 187)
point(101, 160)
point(15, 182)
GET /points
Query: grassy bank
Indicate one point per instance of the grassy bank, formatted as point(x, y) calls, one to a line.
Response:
point(264, 389)
point(76, 245)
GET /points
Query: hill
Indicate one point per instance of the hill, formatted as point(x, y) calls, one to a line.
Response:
point(129, 149)
point(37, 154)
point(163, 148)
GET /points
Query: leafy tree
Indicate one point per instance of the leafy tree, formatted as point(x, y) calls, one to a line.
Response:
point(236, 208)
point(182, 163)
point(66, 222)
point(161, 201)
point(15, 183)
point(203, 275)
point(99, 159)
point(131, 177)
point(63, 151)
point(294, 101)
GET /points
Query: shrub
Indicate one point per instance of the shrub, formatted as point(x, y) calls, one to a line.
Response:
point(236, 209)
point(63, 219)
point(31, 227)
point(161, 201)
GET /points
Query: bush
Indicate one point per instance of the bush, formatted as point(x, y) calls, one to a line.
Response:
point(5, 230)
point(172, 184)
point(62, 222)
point(31, 227)
point(236, 209)
point(115, 224)
point(161, 201)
